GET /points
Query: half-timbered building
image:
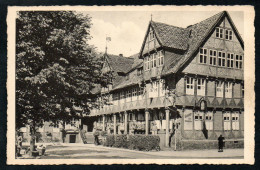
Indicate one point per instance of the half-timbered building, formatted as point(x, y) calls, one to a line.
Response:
point(184, 84)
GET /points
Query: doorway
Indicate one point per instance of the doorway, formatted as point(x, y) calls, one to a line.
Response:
point(72, 138)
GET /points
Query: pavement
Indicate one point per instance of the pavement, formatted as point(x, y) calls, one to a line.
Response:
point(91, 151)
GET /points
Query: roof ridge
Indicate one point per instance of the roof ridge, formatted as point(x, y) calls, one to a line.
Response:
point(168, 24)
point(219, 13)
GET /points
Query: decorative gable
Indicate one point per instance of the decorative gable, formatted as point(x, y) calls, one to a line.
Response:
point(150, 41)
point(221, 50)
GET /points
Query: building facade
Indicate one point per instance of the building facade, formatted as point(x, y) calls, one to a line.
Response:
point(185, 84)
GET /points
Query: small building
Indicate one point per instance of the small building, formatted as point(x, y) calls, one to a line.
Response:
point(185, 84)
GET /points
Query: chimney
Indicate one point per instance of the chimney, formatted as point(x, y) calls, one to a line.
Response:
point(120, 55)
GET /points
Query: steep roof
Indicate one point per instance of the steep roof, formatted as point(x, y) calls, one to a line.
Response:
point(186, 39)
point(198, 34)
point(171, 36)
point(118, 63)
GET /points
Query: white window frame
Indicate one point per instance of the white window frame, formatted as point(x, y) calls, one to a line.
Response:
point(219, 89)
point(221, 59)
point(203, 55)
point(239, 61)
point(161, 58)
point(201, 84)
point(228, 89)
point(235, 120)
point(198, 120)
point(228, 34)
point(134, 94)
point(148, 62)
point(154, 60)
point(190, 86)
point(230, 60)
point(226, 120)
point(129, 93)
point(209, 120)
point(213, 57)
point(219, 32)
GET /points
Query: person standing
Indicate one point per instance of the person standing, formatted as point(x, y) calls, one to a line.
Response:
point(220, 143)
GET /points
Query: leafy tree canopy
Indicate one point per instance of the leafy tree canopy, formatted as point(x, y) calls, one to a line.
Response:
point(56, 69)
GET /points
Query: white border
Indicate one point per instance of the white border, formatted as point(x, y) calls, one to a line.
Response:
point(249, 78)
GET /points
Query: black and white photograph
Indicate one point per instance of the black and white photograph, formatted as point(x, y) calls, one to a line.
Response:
point(126, 84)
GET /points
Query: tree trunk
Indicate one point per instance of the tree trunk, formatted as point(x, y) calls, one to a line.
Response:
point(63, 132)
point(32, 140)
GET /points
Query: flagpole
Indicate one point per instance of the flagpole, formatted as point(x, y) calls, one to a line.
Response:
point(106, 45)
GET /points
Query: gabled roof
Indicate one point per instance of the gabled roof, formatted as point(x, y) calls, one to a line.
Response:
point(118, 63)
point(198, 35)
point(186, 39)
point(171, 36)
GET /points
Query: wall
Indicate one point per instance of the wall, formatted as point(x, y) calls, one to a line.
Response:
point(214, 43)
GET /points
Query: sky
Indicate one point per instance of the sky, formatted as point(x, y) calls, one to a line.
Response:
point(127, 28)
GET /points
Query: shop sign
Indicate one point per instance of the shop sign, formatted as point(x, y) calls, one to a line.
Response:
point(188, 117)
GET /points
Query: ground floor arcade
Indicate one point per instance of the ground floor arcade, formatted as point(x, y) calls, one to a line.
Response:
point(175, 123)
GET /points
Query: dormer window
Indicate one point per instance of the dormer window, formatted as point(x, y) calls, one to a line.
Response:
point(219, 32)
point(139, 71)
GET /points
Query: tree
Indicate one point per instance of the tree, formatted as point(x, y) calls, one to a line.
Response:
point(56, 68)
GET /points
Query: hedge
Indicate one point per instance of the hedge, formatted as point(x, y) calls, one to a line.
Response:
point(208, 144)
point(138, 142)
point(142, 142)
point(110, 141)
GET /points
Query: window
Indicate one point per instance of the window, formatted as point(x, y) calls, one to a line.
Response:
point(139, 71)
point(221, 59)
point(140, 91)
point(161, 58)
point(128, 93)
point(145, 63)
point(208, 116)
point(226, 119)
point(151, 35)
point(201, 87)
point(219, 89)
point(153, 60)
point(229, 34)
point(122, 95)
point(148, 62)
point(198, 117)
point(235, 121)
point(203, 55)
point(219, 32)
point(134, 92)
point(213, 57)
point(239, 61)
point(230, 60)
point(228, 90)
point(190, 86)
point(209, 120)
point(115, 96)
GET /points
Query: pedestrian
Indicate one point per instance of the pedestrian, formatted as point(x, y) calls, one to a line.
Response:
point(220, 143)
